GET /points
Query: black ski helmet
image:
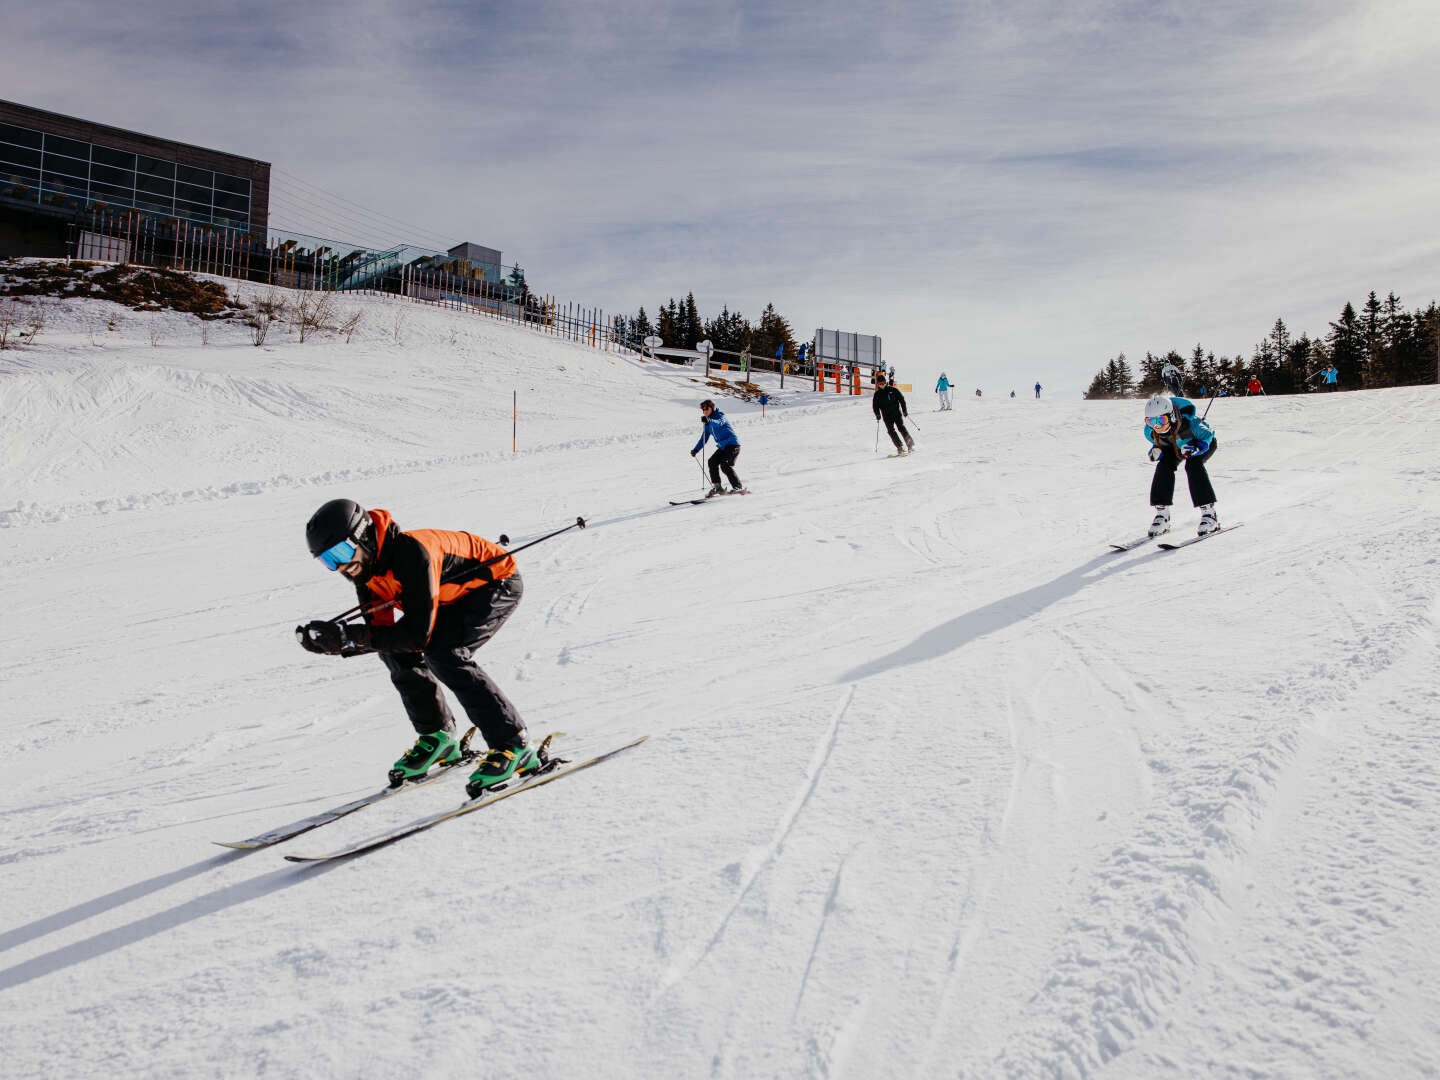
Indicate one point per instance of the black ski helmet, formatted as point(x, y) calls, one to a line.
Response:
point(340, 519)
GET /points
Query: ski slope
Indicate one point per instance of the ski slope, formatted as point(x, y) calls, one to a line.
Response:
point(937, 785)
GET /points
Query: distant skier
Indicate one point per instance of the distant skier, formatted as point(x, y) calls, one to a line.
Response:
point(1037, 391)
point(1012, 393)
point(943, 389)
point(888, 404)
point(977, 392)
point(727, 448)
point(1253, 386)
point(448, 615)
point(1329, 377)
point(1177, 434)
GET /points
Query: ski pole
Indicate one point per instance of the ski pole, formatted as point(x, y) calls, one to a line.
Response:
point(877, 434)
point(467, 576)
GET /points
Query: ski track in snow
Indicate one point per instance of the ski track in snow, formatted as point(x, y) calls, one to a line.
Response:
point(937, 784)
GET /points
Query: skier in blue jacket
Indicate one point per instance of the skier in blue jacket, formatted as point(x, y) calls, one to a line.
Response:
point(1176, 434)
point(727, 448)
point(943, 389)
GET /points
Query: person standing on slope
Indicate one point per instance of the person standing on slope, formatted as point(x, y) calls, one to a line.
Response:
point(1253, 386)
point(888, 404)
point(727, 448)
point(452, 606)
point(1037, 391)
point(943, 389)
point(1176, 434)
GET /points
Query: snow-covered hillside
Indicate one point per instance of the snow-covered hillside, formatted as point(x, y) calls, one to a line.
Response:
point(937, 784)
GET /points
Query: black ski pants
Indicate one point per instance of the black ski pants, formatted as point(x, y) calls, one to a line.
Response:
point(724, 458)
point(460, 629)
point(1162, 485)
point(897, 423)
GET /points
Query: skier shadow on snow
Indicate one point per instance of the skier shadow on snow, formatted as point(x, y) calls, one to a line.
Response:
point(996, 616)
point(118, 938)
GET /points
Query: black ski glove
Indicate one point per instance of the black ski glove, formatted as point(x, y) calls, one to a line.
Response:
point(332, 638)
point(694, 452)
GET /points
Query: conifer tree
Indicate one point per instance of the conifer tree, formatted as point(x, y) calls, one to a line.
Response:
point(773, 333)
point(1346, 348)
point(1372, 342)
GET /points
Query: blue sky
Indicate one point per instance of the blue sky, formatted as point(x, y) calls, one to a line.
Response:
point(1009, 191)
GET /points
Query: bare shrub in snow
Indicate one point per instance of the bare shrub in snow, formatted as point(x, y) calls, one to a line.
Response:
point(350, 325)
point(397, 326)
point(314, 313)
point(35, 317)
point(265, 311)
point(10, 315)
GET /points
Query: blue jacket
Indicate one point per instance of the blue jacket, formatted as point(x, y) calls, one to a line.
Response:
point(719, 427)
point(1189, 429)
point(943, 384)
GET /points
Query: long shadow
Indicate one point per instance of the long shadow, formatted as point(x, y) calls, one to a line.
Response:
point(996, 616)
point(120, 897)
point(140, 929)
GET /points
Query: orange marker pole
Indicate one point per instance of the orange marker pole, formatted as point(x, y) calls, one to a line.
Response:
point(515, 420)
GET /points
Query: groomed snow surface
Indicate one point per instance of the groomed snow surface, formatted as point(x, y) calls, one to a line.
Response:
point(937, 784)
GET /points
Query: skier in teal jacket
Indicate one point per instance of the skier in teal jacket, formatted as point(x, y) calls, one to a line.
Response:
point(1176, 434)
point(943, 389)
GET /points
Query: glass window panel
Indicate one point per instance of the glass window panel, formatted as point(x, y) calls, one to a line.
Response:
point(237, 203)
point(109, 193)
point(236, 185)
point(120, 159)
point(154, 166)
point(147, 202)
point(155, 185)
point(19, 155)
point(54, 144)
point(23, 136)
point(193, 208)
point(104, 174)
point(191, 175)
point(62, 182)
point(68, 165)
point(54, 182)
point(241, 223)
point(191, 193)
point(199, 215)
point(19, 173)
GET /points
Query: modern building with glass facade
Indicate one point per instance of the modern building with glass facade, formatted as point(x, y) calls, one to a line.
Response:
point(53, 166)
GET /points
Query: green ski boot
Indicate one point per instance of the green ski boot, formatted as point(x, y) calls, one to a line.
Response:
point(501, 765)
point(436, 748)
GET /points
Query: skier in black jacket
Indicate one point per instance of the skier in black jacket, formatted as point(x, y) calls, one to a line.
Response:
point(889, 405)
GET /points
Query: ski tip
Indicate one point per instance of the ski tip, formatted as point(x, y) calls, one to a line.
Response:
point(239, 845)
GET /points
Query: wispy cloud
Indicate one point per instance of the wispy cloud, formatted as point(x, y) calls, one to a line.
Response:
point(1018, 189)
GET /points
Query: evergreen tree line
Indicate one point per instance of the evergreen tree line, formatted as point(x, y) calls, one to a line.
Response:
point(1381, 345)
point(680, 325)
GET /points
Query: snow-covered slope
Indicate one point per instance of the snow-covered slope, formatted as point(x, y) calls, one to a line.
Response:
point(937, 785)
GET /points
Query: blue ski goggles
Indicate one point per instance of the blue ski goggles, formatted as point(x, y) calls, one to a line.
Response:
point(1158, 423)
point(342, 554)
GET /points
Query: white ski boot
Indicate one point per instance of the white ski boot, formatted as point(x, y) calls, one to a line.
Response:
point(1161, 525)
point(1209, 521)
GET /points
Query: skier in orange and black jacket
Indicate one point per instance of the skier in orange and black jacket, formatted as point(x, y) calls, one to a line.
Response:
point(451, 608)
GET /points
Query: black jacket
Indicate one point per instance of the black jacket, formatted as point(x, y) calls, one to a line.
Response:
point(890, 403)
